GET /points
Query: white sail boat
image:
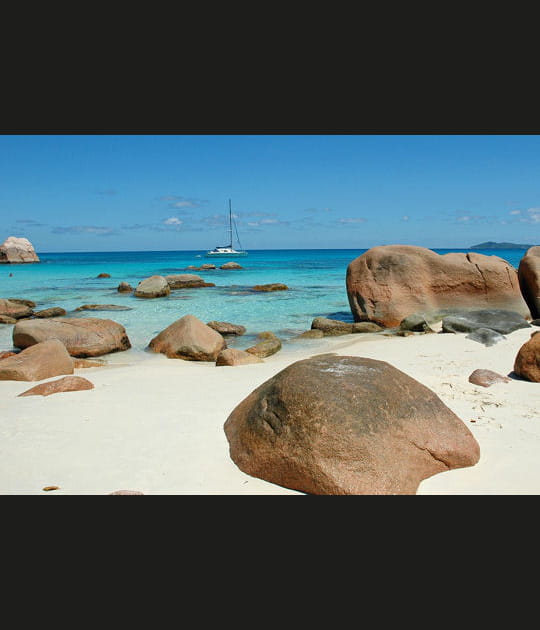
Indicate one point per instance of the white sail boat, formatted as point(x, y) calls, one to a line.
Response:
point(228, 250)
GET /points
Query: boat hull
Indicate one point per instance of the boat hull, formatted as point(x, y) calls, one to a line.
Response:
point(224, 254)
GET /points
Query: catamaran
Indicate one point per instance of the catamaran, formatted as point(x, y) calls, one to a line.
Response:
point(228, 250)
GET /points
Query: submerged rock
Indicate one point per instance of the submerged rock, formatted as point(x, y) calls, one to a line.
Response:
point(54, 311)
point(346, 425)
point(187, 281)
point(124, 287)
point(267, 344)
point(231, 265)
point(226, 328)
point(314, 333)
point(274, 286)
point(103, 307)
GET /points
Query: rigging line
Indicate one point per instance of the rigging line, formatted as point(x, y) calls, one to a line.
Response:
point(238, 238)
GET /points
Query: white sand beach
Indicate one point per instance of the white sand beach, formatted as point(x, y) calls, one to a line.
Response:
point(156, 426)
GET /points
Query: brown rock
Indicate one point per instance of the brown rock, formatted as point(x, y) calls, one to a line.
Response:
point(390, 282)
point(529, 279)
point(87, 363)
point(189, 339)
point(103, 275)
point(7, 353)
point(29, 303)
point(17, 250)
point(346, 425)
point(333, 327)
point(65, 384)
point(267, 345)
point(207, 266)
point(527, 361)
point(124, 287)
point(231, 265)
point(5, 319)
point(274, 286)
point(314, 333)
point(13, 309)
point(232, 356)
point(42, 360)
point(153, 287)
point(54, 311)
point(226, 328)
point(187, 281)
point(83, 337)
point(486, 378)
point(103, 307)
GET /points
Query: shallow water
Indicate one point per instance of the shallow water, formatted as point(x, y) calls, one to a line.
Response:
point(316, 281)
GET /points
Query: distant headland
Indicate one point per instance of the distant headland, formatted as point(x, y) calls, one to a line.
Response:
point(492, 245)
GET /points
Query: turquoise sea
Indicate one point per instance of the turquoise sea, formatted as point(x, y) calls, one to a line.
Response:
point(316, 281)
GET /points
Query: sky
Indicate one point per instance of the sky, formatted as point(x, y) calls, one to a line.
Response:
point(69, 193)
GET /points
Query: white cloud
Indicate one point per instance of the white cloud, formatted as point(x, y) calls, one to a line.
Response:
point(515, 212)
point(352, 220)
point(405, 218)
point(173, 221)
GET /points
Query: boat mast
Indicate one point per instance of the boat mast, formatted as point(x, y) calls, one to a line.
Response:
point(230, 224)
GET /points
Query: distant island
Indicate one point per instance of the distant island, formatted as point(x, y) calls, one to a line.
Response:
point(492, 245)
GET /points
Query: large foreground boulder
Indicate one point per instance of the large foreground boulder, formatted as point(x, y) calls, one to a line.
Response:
point(346, 425)
point(390, 282)
point(17, 250)
point(190, 339)
point(527, 361)
point(529, 279)
point(13, 309)
point(152, 287)
point(42, 360)
point(83, 337)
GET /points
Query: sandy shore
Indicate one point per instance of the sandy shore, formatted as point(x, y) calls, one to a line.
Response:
point(156, 426)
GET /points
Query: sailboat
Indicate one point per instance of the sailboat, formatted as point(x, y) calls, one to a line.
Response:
point(228, 250)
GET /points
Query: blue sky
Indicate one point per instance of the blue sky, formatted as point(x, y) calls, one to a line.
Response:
point(170, 192)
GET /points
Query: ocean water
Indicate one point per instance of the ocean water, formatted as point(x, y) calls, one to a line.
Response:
point(316, 281)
